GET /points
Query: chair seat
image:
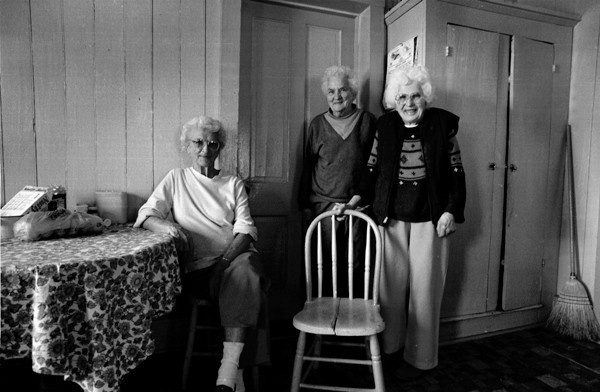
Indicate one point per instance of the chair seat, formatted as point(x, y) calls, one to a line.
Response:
point(339, 316)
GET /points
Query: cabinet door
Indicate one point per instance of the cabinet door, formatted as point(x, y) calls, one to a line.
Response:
point(527, 183)
point(477, 68)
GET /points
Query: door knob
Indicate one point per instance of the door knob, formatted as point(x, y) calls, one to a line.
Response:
point(494, 166)
point(512, 167)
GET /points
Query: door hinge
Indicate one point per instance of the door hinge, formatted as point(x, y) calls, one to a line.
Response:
point(448, 51)
point(554, 68)
point(543, 263)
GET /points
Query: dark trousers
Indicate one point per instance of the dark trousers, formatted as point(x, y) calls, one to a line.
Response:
point(241, 302)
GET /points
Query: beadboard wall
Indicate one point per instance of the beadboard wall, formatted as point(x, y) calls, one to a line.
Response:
point(94, 92)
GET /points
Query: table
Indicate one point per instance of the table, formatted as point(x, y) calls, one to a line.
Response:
point(82, 307)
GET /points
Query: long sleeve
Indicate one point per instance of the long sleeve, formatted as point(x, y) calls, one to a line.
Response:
point(369, 174)
point(308, 164)
point(159, 203)
point(457, 187)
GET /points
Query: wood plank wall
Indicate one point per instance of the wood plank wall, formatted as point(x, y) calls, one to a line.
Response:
point(93, 92)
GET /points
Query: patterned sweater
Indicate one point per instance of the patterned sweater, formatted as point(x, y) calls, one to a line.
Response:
point(394, 163)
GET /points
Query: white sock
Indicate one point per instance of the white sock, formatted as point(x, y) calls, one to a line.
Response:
point(239, 383)
point(227, 374)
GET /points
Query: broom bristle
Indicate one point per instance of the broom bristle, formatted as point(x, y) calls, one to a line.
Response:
point(573, 315)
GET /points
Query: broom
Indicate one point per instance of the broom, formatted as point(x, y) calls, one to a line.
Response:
point(572, 314)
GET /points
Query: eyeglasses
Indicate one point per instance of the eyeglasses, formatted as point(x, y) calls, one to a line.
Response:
point(212, 145)
point(341, 90)
point(403, 98)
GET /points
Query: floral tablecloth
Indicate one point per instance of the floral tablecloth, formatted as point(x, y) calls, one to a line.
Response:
point(82, 307)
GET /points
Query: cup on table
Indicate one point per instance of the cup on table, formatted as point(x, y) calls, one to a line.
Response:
point(112, 205)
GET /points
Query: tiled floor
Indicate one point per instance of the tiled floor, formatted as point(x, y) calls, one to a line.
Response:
point(527, 360)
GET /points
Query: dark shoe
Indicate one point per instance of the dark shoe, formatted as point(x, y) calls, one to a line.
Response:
point(223, 388)
point(391, 362)
point(407, 372)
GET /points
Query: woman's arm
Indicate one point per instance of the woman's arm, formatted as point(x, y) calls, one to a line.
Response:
point(159, 225)
point(453, 214)
point(308, 165)
point(240, 244)
point(339, 208)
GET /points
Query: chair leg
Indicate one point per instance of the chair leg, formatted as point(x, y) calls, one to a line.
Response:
point(367, 343)
point(298, 362)
point(255, 382)
point(317, 350)
point(189, 346)
point(377, 366)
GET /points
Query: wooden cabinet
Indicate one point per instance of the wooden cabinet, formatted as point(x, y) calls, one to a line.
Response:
point(505, 72)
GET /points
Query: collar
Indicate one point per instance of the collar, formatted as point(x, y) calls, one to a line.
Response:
point(343, 126)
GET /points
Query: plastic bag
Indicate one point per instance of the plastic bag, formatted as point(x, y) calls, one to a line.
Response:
point(59, 223)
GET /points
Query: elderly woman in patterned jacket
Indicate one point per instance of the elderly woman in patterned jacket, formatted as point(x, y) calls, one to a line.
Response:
point(417, 186)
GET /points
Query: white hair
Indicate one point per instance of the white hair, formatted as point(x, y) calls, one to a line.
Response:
point(343, 73)
point(202, 122)
point(403, 77)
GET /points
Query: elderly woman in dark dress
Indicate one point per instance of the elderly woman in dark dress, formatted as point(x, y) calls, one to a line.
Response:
point(336, 147)
point(416, 179)
point(207, 214)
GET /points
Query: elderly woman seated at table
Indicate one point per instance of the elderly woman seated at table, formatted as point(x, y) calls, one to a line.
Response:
point(207, 213)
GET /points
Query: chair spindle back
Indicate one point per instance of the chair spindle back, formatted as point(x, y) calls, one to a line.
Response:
point(371, 232)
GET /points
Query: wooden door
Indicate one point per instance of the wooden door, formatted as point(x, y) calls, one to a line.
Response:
point(477, 67)
point(284, 53)
point(527, 179)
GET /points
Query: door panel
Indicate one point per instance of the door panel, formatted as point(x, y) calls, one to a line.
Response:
point(477, 85)
point(326, 46)
point(529, 122)
point(284, 53)
point(271, 56)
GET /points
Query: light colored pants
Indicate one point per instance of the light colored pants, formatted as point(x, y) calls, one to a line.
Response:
point(415, 261)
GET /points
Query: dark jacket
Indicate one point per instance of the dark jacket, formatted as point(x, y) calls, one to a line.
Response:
point(445, 185)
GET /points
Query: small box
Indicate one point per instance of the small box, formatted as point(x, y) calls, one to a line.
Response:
point(29, 199)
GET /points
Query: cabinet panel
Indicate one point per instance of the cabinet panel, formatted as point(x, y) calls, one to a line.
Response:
point(527, 190)
point(476, 81)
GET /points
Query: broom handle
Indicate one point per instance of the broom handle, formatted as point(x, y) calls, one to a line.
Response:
point(569, 157)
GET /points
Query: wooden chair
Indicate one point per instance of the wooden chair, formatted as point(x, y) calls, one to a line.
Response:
point(340, 317)
point(205, 324)
point(203, 318)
